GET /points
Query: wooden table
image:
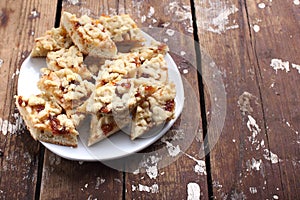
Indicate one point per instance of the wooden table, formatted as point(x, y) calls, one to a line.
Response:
point(241, 110)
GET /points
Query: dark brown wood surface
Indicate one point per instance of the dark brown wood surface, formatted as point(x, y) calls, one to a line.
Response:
point(250, 116)
point(257, 152)
point(20, 23)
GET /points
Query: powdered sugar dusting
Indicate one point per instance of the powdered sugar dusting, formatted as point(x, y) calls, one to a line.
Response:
point(297, 2)
point(193, 191)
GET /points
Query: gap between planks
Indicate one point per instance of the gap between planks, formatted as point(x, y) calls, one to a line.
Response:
point(41, 156)
point(202, 101)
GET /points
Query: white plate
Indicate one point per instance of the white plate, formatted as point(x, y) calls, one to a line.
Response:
point(116, 146)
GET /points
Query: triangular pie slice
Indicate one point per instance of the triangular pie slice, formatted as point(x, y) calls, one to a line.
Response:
point(52, 40)
point(156, 110)
point(66, 88)
point(46, 120)
point(124, 31)
point(70, 58)
point(103, 126)
point(89, 35)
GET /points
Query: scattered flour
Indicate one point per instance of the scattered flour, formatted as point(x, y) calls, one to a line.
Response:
point(278, 64)
point(256, 28)
point(253, 190)
point(200, 167)
point(216, 17)
point(254, 128)
point(193, 191)
point(244, 102)
point(297, 67)
point(268, 155)
point(172, 150)
point(34, 14)
point(297, 2)
point(151, 12)
point(99, 181)
point(180, 13)
point(143, 188)
point(256, 164)
point(11, 127)
point(143, 18)
point(85, 11)
point(170, 32)
point(73, 2)
point(261, 5)
point(1, 62)
point(150, 165)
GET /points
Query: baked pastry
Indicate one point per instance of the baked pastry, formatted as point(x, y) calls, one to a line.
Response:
point(66, 88)
point(155, 110)
point(89, 35)
point(124, 31)
point(53, 40)
point(70, 58)
point(103, 126)
point(46, 120)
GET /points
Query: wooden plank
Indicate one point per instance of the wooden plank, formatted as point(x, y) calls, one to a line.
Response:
point(20, 22)
point(277, 38)
point(240, 161)
point(64, 179)
point(159, 172)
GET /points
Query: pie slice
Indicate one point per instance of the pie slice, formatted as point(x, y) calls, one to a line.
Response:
point(103, 126)
point(89, 35)
point(124, 31)
point(46, 120)
point(70, 58)
point(53, 40)
point(148, 52)
point(155, 68)
point(66, 88)
point(156, 110)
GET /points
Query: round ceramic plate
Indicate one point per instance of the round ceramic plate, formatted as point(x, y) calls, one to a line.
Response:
point(116, 146)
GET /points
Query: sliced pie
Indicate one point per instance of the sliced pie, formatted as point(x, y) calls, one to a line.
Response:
point(70, 58)
point(89, 35)
point(124, 31)
point(46, 120)
point(66, 88)
point(53, 40)
point(103, 126)
point(156, 110)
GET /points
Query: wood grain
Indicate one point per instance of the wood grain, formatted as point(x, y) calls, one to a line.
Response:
point(170, 22)
point(76, 180)
point(20, 22)
point(279, 92)
point(253, 126)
